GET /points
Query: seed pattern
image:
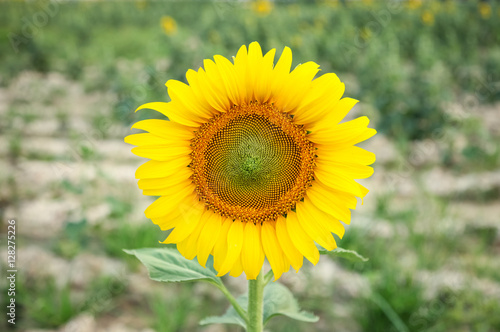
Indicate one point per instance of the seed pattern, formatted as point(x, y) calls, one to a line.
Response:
point(252, 163)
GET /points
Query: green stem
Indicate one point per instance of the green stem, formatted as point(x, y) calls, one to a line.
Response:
point(233, 302)
point(268, 277)
point(255, 304)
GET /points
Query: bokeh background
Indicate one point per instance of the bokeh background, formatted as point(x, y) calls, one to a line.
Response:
point(426, 72)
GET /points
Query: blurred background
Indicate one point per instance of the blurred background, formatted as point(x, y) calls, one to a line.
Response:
point(426, 72)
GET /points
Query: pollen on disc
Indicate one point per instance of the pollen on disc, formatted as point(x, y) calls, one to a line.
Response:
point(252, 163)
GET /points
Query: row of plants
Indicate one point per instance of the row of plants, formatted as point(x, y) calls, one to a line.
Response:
point(408, 58)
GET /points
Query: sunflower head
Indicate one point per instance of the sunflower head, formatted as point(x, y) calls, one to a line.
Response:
point(253, 162)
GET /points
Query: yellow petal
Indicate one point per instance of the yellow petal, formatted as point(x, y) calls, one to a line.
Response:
point(166, 129)
point(364, 191)
point(254, 59)
point(346, 154)
point(333, 202)
point(161, 152)
point(234, 245)
point(327, 222)
point(347, 133)
point(203, 86)
point(208, 236)
point(272, 249)
point(288, 96)
point(237, 269)
point(167, 222)
point(322, 99)
point(334, 115)
point(310, 220)
point(220, 248)
point(282, 68)
point(188, 247)
point(294, 256)
point(212, 93)
point(228, 76)
point(180, 176)
point(186, 225)
point(337, 181)
point(259, 79)
point(150, 139)
point(183, 200)
point(158, 169)
point(176, 114)
point(173, 190)
point(354, 171)
point(304, 244)
point(369, 132)
point(325, 86)
point(263, 92)
point(192, 77)
point(184, 97)
point(252, 255)
point(241, 69)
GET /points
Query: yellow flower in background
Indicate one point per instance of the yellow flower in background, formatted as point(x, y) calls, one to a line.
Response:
point(485, 9)
point(367, 2)
point(169, 25)
point(253, 162)
point(414, 4)
point(428, 18)
point(262, 7)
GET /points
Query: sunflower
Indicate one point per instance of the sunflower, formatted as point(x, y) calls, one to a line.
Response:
point(169, 25)
point(262, 7)
point(253, 162)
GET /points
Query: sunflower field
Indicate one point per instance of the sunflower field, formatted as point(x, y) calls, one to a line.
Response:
point(425, 72)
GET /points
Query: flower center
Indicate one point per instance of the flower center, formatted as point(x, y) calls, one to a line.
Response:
point(252, 163)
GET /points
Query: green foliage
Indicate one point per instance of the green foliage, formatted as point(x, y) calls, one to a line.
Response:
point(75, 237)
point(393, 301)
point(278, 300)
point(465, 310)
point(168, 265)
point(46, 303)
point(127, 235)
point(172, 313)
point(405, 71)
point(351, 255)
point(101, 293)
point(119, 208)
point(406, 68)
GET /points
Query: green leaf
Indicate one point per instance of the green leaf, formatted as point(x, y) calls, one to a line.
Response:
point(230, 317)
point(168, 265)
point(344, 253)
point(278, 300)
